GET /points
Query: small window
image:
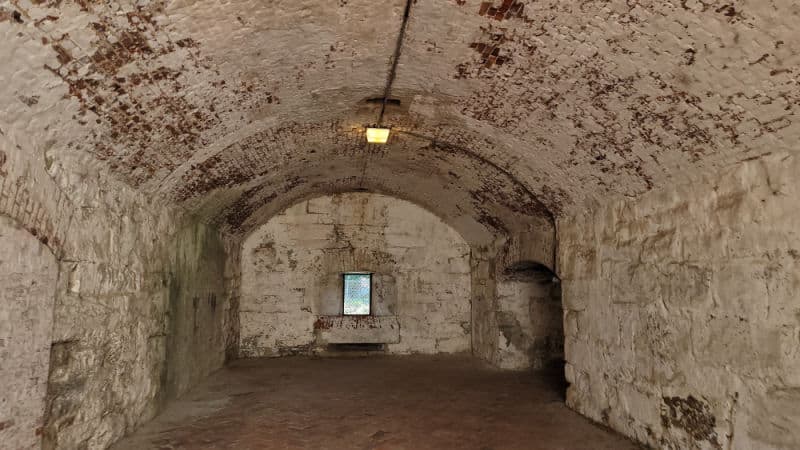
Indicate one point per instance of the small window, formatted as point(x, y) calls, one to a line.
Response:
point(357, 294)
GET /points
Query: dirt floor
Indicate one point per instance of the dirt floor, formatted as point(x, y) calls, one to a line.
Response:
point(410, 403)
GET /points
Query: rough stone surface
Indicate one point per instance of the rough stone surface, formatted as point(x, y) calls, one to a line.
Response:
point(292, 268)
point(135, 325)
point(233, 278)
point(196, 315)
point(516, 304)
point(357, 330)
point(120, 257)
point(28, 275)
point(529, 320)
point(141, 142)
point(682, 319)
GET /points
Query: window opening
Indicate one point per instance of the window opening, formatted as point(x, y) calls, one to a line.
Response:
point(357, 294)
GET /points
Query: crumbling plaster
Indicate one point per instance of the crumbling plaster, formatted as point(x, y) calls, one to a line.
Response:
point(136, 323)
point(118, 345)
point(496, 298)
point(681, 313)
point(513, 115)
point(574, 102)
point(530, 322)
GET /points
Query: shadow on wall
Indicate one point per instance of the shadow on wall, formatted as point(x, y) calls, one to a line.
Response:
point(530, 318)
point(195, 338)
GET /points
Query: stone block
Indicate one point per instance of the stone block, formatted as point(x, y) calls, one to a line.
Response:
point(633, 282)
point(357, 330)
point(730, 340)
point(774, 420)
point(739, 288)
point(576, 294)
point(686, 286)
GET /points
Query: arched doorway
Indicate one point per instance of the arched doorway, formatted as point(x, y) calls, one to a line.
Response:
point(415, 270)
point(530, 318)
point(28, 274)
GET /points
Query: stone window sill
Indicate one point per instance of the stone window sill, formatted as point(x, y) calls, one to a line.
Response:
point(357, 330)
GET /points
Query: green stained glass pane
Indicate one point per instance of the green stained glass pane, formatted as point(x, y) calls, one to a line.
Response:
point(357, 293)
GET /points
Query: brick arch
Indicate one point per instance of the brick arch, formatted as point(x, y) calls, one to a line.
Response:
point(241, 185)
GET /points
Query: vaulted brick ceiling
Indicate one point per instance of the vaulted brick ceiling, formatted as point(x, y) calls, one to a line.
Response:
point(511, 112)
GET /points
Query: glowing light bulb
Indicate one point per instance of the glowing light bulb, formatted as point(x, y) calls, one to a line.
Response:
point(377, 135)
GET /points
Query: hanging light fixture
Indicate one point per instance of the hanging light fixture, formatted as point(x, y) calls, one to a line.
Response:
point(377, 135)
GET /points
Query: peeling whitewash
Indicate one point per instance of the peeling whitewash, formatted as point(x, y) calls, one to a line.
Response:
point(529, 317)
point(141, 141)
point(682, 311)
point(292, 268)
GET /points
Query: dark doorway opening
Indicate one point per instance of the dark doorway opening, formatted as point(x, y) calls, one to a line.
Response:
point(535, 290)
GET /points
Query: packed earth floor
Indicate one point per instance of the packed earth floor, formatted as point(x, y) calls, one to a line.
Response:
point(414, 402)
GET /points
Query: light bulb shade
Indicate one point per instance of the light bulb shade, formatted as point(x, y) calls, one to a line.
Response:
point(377, 135)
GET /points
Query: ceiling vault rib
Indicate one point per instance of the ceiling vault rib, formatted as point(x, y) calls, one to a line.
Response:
point(488, 162)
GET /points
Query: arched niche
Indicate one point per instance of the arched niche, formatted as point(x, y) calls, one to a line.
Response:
point(529, 271)
point(529, 317)
point(28, 275)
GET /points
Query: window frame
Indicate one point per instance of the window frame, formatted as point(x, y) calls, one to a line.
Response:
point(344, 284)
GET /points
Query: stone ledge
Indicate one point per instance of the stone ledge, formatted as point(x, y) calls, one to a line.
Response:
point(357, 330)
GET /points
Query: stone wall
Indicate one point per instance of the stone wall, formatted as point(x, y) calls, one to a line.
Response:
point(138, 320)
point(28, 273)
point(530, 321)
point(136, 286)
point(233, 280)
point(485, 331)
point(517, 314)
point(292, 266)
point(682, 313)
point(196, 312)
